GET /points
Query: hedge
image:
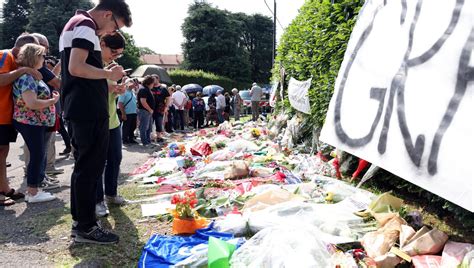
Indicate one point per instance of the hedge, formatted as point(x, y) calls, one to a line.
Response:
point(313, 46)
point(183, 77)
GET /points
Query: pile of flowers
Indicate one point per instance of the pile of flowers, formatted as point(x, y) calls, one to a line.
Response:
point(175, 150)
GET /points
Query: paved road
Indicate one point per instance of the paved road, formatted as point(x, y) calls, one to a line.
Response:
point(23, 244)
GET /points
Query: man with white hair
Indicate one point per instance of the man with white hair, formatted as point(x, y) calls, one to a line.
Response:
point(179, 100)
point(220, 106)
point(237, 103)
point(256, 93)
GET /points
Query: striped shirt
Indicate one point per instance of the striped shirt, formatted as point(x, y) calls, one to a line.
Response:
point(82, 99)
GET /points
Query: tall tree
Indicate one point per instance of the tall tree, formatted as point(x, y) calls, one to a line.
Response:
point(15, 19)
point(131, 54)
point(257, 39)
point(212, 43)
point(48, 17)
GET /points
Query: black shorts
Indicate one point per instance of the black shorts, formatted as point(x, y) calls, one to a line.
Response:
point(7, 134)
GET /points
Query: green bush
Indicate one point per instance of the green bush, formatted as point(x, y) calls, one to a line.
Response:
point(314, 46)
point(183, 77)
point(385, 181)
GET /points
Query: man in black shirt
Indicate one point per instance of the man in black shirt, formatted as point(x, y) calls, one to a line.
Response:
point(161, 95)
point(146, 106)
point(85, 93)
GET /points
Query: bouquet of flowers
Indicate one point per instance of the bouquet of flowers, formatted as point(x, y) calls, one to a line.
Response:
point(175, 150)
point(220, 145)
point(185, 218)
point(185, 205)
point(188, 162)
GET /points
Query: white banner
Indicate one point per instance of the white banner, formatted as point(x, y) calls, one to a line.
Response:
point(273, 94)
point(403, 98)
point(298, 95)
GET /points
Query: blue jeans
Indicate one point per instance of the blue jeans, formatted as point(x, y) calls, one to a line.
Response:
point(112, 166)
point(220, 116)
point(145, 126)
point(158, 122)
point(178, 119)
point(34, 139)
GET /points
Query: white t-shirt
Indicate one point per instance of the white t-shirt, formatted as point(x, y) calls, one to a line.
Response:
point(220, 102)
point(179, 99)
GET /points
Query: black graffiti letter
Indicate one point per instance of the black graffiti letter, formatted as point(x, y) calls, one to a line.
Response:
point(465, 75)
point(377, 94)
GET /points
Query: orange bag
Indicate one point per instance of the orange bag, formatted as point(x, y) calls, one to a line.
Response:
point(186, 226)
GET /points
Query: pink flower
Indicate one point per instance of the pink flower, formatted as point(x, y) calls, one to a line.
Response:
point(43, 117)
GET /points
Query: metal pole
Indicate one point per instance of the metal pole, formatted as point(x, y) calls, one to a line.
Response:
point(274, 31)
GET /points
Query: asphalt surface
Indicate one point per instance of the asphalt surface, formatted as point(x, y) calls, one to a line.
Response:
point(24, 228)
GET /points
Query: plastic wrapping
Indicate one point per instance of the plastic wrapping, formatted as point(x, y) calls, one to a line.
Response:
point(309, 166)
point(232, 223)
point(453, 253)
point(236, 170)
point(426, 242)
point(291, 134)
point(201, 149)
point(222, 155)
point(283, 246)
point(468, 261)
point(427, 261)
point(269, 198)
point(378, 243)
point(242, 146)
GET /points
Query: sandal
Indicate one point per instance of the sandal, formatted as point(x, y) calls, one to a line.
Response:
point(13, 194)
point(6, 201)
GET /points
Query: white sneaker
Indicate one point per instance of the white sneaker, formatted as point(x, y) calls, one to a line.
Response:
point(39, 197)
point(51, 179)
point(116, 200)
point(101, 209)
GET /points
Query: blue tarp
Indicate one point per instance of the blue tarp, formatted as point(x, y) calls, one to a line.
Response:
point(164, 250)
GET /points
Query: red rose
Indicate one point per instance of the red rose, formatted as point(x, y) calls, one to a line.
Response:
point(176, 199)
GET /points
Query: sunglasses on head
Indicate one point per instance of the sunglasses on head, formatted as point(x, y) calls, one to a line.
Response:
point(117, 28)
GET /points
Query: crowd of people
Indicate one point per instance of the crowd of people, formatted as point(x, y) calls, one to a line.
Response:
point(87, 98)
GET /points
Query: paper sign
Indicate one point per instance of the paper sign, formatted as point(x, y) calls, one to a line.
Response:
point(403, 98)
point(298, 94)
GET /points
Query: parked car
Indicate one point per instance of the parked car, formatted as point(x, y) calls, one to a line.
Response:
point(247, 102)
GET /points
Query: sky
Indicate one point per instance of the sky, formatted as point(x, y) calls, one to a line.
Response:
point(157, 23)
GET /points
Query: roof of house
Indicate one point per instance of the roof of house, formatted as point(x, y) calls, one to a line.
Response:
point(163, 59)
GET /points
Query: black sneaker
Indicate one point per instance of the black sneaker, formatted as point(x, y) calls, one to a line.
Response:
point(96, 235)
point(74, 229)
point(65, 152)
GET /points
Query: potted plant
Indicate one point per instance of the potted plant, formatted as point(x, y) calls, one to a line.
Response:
point(185, 218)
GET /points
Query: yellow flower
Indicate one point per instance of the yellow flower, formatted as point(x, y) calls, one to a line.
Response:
point(255, 132)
